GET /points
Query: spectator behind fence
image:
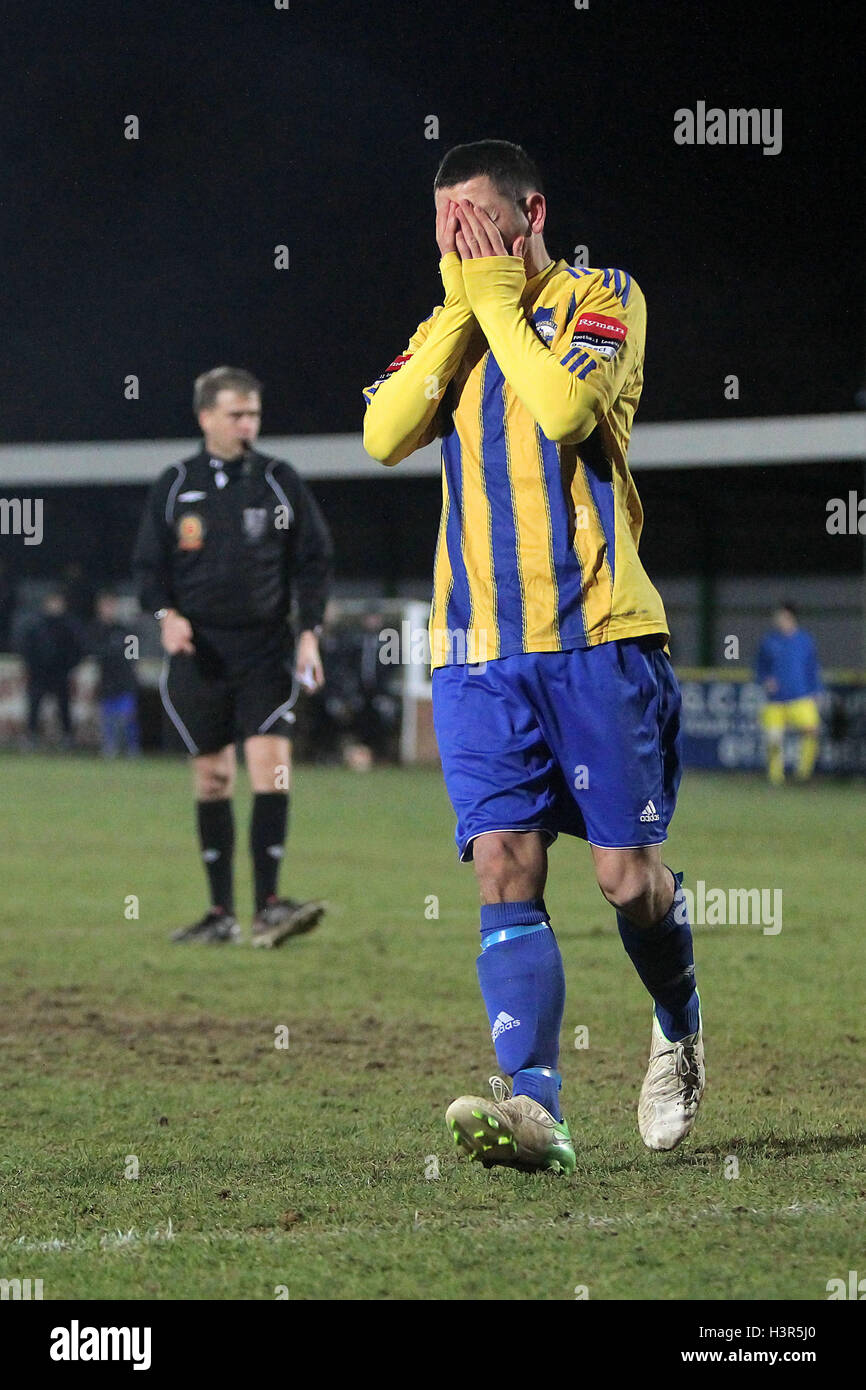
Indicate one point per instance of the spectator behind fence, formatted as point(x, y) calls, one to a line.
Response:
point(118, 683)
point(51, 648)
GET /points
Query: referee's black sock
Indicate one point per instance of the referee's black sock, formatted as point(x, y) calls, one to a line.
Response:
point(216, 832)
point(267, 840)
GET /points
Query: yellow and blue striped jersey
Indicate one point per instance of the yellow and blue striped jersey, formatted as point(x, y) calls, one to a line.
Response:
point(533, 387)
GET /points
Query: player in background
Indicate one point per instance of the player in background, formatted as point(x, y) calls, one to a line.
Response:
point(555, 704)
point(787, 668)
point(51, 648)
point(229, 538)
point(118, 685)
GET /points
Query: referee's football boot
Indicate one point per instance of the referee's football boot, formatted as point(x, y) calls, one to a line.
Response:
point(216, 927)
point(672, 1089)
point(514, 1132)
point(281, 918)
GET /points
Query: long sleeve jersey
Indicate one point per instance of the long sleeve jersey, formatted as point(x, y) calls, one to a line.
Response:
point(790, 660)
point(532, 386)
point(229, 544)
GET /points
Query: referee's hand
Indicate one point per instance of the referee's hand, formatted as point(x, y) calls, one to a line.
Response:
point(176, 633)
point(308, 662)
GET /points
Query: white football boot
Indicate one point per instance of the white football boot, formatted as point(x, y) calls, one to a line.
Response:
point(514, 1131)
point(672, 1089)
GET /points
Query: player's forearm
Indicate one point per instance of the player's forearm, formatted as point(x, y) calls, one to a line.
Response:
point(565, 407)
point(400, 413)
point(402, 409)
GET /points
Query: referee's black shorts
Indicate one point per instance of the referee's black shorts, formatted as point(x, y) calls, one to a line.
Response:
point(238, 684)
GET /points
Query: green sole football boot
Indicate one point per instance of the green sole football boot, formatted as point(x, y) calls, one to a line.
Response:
point(510, 1132)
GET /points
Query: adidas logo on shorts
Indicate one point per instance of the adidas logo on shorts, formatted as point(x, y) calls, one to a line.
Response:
point(649, 812)
point(503, 1022)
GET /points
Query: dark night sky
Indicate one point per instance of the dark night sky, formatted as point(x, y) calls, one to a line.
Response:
point(261, 126)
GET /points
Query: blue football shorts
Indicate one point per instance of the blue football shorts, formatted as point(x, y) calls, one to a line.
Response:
point(584, 742)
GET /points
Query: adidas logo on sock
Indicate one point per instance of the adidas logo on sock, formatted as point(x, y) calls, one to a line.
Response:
point(503, 1022)
point(649, 812)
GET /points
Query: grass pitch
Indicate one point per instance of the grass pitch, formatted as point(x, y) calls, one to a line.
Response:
point(310, 1170)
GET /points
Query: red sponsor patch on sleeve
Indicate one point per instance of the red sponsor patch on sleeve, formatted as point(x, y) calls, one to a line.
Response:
point(398, 363)
point(602, 326)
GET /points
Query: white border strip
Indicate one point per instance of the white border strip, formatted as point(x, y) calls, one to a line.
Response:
point(683, 444)
point(173, 714)
point(283, 709)
point(281, 496)
point(172, 494)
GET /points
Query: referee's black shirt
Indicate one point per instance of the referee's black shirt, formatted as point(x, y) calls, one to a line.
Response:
point(230, 545)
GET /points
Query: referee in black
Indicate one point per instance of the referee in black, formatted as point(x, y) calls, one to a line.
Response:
point(228, 540)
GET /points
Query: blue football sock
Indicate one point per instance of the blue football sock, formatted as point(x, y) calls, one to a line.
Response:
point(523, 985)
point(663, 956)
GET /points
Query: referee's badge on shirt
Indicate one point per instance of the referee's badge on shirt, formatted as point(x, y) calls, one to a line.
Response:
point(190, 532)
point(255, 521)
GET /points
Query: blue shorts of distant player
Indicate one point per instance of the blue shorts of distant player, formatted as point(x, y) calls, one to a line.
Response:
point(584, 742)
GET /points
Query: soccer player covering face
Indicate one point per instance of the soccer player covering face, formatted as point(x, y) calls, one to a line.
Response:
point(229, 538)
point(555, 704)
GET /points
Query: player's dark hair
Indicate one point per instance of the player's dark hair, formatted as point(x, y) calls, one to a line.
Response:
point(789, 608)
point(508, 167)
point(209, 384)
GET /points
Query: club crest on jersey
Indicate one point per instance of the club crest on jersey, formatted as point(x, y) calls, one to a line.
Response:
point(190, 532)
point(544, 325)
point(600, 333)
point(255, 521)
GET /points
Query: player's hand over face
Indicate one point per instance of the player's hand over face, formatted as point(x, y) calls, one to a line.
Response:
point(478, 235)
point(308, 662)
point(176, 633)
point(446, 226)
